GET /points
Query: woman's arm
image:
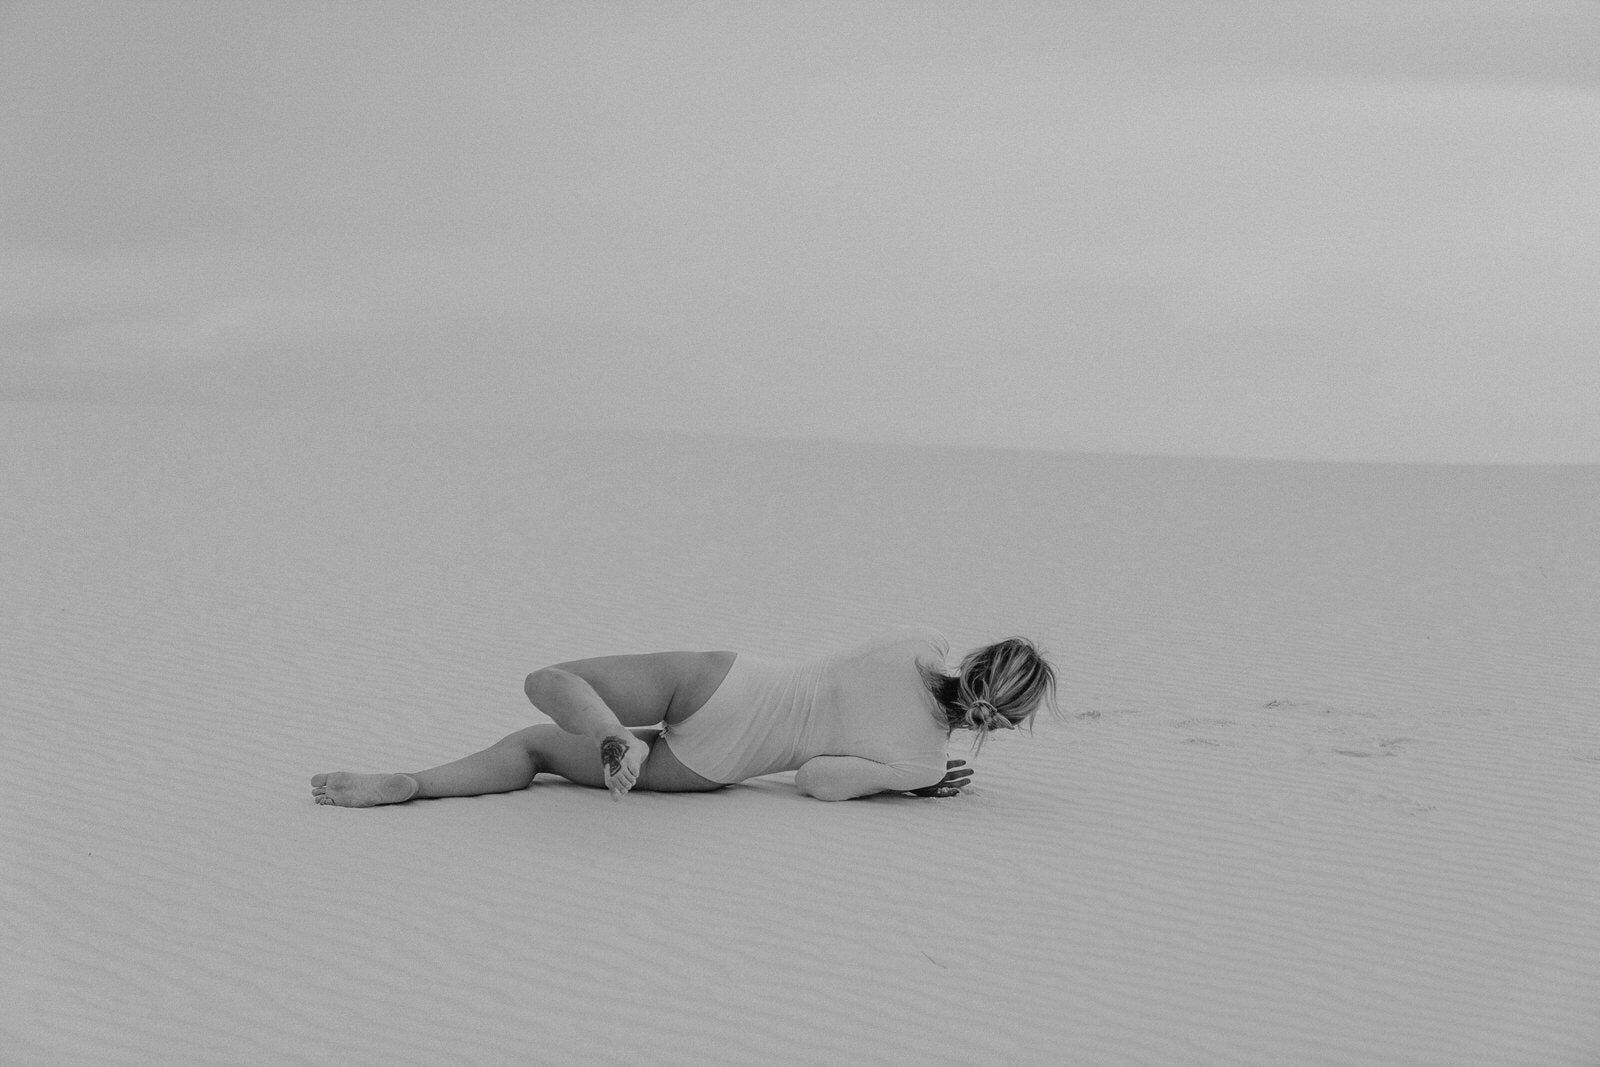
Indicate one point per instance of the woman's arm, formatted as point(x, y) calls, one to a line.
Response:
point(844, 777)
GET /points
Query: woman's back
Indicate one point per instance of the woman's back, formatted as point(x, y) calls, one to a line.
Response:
point(881, 707)
point(772, 715)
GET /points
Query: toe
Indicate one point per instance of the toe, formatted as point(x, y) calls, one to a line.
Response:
point(319, 779)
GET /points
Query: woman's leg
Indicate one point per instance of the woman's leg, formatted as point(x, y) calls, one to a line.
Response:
point(509, 764)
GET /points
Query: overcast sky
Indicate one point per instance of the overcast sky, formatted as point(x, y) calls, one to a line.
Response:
point(1335, 230)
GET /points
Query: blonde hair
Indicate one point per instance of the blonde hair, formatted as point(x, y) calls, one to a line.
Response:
point(998, 687)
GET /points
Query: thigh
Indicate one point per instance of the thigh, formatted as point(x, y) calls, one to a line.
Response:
point(577, 759)
point(664, 773)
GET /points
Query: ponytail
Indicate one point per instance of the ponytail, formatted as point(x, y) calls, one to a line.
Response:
point(998, 687)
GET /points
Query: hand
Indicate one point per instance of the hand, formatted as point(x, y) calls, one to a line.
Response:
point(956, 777)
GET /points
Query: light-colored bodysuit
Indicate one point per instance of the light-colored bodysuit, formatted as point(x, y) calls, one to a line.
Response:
point(771, 715)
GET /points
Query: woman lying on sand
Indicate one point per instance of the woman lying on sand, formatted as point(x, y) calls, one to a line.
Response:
point(872, 719)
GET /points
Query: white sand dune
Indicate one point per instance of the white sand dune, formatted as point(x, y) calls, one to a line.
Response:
point(1326, 789)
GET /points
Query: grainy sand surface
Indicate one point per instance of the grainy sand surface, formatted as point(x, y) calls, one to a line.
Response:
point(1325, 790)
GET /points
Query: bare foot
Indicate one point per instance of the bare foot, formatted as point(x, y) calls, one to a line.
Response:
point(349, 790)
point(621, 765)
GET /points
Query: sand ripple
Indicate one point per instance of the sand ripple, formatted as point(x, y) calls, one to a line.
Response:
point(1324, 790)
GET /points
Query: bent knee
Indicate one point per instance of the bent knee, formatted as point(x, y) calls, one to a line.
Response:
point(534, 682)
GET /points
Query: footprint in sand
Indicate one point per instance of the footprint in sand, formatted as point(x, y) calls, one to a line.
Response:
point(1385, 746)
point(1318, 708)
point(1385, 799)
point(1095, 713)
